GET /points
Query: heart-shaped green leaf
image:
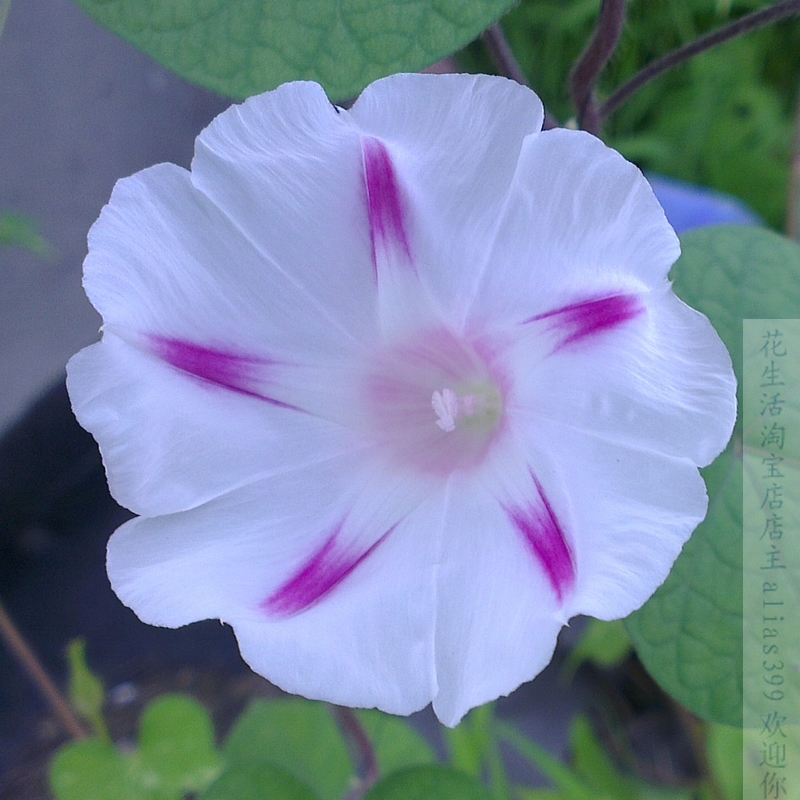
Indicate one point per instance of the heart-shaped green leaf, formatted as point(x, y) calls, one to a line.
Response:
point(296, 735)
point(92, 768)
point(258, 782)
point(243, 47)
point(176, 746)
point(689, 634)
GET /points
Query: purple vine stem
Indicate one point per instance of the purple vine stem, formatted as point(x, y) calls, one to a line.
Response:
point(494, 40)
point(745, 24)
point(597, 54)
point(361, 750)
point(496, 44)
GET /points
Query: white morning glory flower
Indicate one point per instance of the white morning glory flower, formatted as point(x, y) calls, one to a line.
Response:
point(396, 391)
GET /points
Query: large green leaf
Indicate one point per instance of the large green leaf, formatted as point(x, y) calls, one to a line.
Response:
point(689, 634)
point(771, 506)
point(243, 47)
point(724, 749)
point(431, 782)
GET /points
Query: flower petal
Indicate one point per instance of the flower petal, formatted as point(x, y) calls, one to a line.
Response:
point(587, 319)
point(563, 523)
point(661, 380)
point(164, 261)
point(236, 372)
point(288, 161)
point(387, 215)
point(498, 617)
point(171, 442)
point(348, 635)
point(397, 390)
point(580, 220)
point(403, 306)
point(454, 141)
point(629, 512)
point(320, 574)
point(546, 538)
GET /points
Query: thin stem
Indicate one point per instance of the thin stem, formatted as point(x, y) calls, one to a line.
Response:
point(20, 648)
point(494, 40)
point(505, 62)
point(746, 24)
point(601, 47)
point(360, 747)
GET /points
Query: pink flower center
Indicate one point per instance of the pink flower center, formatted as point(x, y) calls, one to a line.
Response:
point(435, 402)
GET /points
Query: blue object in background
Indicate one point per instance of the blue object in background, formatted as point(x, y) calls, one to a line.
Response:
point(688, 206)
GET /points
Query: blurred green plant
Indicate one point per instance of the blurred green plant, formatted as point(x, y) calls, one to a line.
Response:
point(175, 755)
point(86, 691)
point(17, 230)
point(5, 5)
point(592, 774)
point(293, 749)
point(725, 119)
point(604, 644)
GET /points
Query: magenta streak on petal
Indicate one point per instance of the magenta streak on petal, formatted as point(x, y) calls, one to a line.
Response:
point(579, 321)
point(238, 373)
point(387, 220)
point(319, 576)
point(544, 536)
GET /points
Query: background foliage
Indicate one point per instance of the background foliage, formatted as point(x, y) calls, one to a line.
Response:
point(243, 47)
point(724, 120)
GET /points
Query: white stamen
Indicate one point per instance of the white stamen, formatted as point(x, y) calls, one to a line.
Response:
point(445, 404)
